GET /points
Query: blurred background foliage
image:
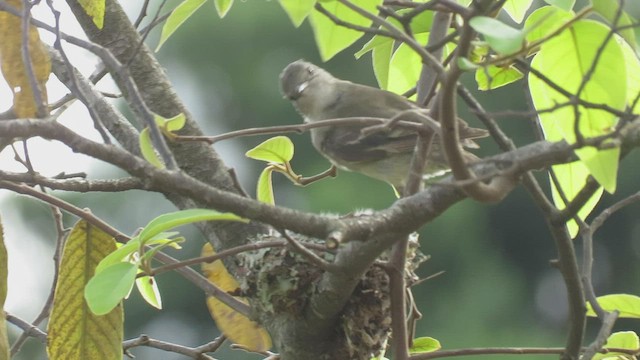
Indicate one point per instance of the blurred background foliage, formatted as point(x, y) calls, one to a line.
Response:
point(498, 287)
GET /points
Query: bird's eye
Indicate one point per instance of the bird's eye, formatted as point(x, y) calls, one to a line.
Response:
point(310, 71)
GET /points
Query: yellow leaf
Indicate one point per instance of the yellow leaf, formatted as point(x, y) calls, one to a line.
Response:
point(4, 340)
point(95, 10)
point(13, 68)
point(233, 325)
point(75, 333)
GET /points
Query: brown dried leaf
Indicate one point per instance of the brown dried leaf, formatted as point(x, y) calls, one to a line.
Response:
point(74, 332)
point(13, 68)
point(232, 324)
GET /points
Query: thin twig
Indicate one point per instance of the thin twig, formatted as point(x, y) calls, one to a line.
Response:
point(29, 329)
point(308, 254)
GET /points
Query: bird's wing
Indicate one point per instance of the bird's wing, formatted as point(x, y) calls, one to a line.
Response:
point(347, 144)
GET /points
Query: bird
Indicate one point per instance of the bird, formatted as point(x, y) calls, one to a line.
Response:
point(384, 155)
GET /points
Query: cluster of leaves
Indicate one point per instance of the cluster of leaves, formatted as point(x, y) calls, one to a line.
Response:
point(565, 48)
point(96, 274)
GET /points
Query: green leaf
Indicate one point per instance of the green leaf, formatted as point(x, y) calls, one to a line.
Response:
point(148, 255)
point(182, 217)
point(171, 124)
point(148, 151)
point(545, 21)
point(567, 59)
point(121, 254)
point(332, 38)
point(493, 77)
point(627, 305)
point(107, 289)
point(620, 340)
point(405, 67)
point(277, 150)
point(381, 59)
point(424, 345)
point(148, 288)
point(562, 4)
point(633, 75)
point(370, 45)
point(297, 10)
point(124, 251)
point(178, 16)
point(572, 178)
point(466, 64)
point(382, 47)
point(419, 24)
point(517, 9)
point(264, 190)
point(223, 7)
point(502, 38)
point(608, 10)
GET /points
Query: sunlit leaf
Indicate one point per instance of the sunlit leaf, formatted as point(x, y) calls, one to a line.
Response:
point(277, 150)
point(74, 332)
point(148, 151)
point(120, 254)
point(633, 75)
point(381, 49)
point(178, 16)
point(502, 38)
point(517, 9)
point(620, 340)
point(466, 64)
point(572, 178)
point(544, 21)
point(148, 288)
point(223, 7)
point(424, 345)
point(124, 251)
point(627, 305)
point(562, 4)
point(419, 24)
point(493, 77)
point(106, 289)
point(95, 10)
point(297, 10)
point(170, 220)
point(608, 9)
point(567, 59)
point(171, 124)
point(237, 327)
point(381, 59)
point(264, 190)
point(332, 38)
point(405, 67)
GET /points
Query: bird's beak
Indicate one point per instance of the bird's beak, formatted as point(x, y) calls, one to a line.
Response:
point(301, 87)
point(298, 91)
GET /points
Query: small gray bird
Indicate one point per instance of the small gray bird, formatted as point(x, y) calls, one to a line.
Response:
point(383, 155)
